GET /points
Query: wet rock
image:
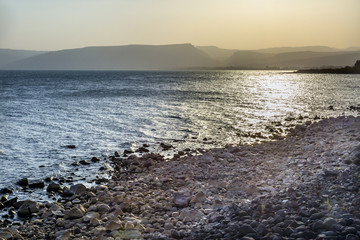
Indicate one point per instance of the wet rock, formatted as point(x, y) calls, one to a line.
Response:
point(4, 198)
point(54, 187)
point(78, 189)
point(127, 151)
point(10, 202)
point(5, 191)
point(142, 150)
point(27, 208)
point(84, 162)
point(23, 182)
point(165, 146)
point(95, 159)
point(317, 226)
point(71, 146)
point(37, 185)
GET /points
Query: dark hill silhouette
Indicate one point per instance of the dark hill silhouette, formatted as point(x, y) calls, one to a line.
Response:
point(129, 57)
point(345, 70)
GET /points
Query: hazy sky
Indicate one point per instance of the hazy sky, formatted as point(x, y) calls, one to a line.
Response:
point(241, 24)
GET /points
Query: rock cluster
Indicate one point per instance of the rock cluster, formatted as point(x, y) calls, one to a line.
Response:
point(305, 186)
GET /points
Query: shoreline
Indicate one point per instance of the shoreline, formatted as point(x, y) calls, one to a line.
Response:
point(304, 186)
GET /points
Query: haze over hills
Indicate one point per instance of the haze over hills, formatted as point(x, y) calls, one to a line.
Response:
point(8, 55)
point(177, 56)
point(129, 57)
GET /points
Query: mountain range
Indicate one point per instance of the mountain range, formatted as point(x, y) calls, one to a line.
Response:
point(176, 57)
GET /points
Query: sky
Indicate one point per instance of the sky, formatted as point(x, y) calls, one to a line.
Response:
point(233, 24)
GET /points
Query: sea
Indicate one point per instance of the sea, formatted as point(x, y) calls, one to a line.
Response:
point(102, 112)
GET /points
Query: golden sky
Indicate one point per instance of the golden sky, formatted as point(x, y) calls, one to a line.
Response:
point(235, 24)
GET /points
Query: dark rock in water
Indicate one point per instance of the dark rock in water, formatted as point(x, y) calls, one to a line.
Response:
point(23, 182)
point(126, 151)
point(10, 202)
point(2, 206)
point(54, 187)
point(84, 162)
point(5, 191)
point(165, 146)
point(49, 179)
point(95, 159)
point(71, 146)
point(146, 145)
point(75, 164)
point(27, 208)
point(37, 185)
point(4, 198)
point(116, 154)
point(78, 189)
point(142, 150)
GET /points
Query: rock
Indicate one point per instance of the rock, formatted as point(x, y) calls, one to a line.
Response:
point(5, 191)
point(352, 237)
point(356, 159)
point(95, 159)
point(75, 212)
point(113, 225)
point(27, 208)
point(317, 215)
point(165, 146)
point(329, 222)
point(23, 182)
point(126, 152)
point(63, 234)
point(180, 200)
point(54, 187)
point(84, 162)
point(89, 216)
point(199, 197)
point(10, 202)
point(71, 146)
point(4, 198)
point(37, 185)
point(102, 208)
point(78, 189)
point(245, 229)
point(317, 226)
point(142, 150)
point(4, 234)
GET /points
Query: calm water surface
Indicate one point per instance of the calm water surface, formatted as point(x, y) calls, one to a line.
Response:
point(103, 112)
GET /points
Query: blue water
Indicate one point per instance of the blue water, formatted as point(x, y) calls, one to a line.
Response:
point(103, 112)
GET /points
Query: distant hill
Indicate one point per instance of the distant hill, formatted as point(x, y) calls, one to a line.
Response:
point(129, 57)
point(177, 56)
point(297, 49)
point(9, 55)
point(291, 60)
point(219, 54)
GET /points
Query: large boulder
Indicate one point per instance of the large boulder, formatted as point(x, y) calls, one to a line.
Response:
point(75, 212)
point(27, 208)
point(78, 189)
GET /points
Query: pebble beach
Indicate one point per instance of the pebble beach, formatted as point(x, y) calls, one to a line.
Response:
point(304, 186)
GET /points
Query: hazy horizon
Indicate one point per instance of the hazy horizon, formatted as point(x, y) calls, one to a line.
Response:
point(232, 24)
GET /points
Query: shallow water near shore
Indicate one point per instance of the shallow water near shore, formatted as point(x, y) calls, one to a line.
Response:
point(101, 112)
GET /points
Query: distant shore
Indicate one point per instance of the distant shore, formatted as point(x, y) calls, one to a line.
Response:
point(304, 186)
point(345, 70)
